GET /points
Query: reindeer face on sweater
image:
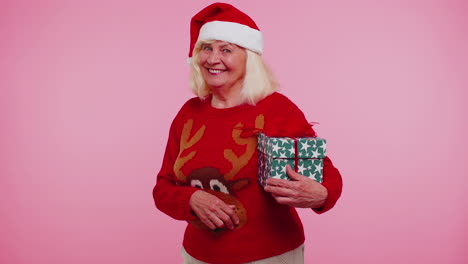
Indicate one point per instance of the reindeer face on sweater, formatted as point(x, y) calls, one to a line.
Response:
point(209, 178)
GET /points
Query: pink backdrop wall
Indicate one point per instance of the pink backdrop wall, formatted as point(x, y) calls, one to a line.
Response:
point(89, 88)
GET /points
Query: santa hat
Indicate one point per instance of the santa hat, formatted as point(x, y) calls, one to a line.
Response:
point(224, 22)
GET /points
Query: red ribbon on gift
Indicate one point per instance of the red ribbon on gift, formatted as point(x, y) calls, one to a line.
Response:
point(277, 129)
point(281, 132)
point(296, 154)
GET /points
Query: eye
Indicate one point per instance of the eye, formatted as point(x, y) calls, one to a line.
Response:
point(196, 184)
point(207, 48)
point(218, 186)
point(226, 50)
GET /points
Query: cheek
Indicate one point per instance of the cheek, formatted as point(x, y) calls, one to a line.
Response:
point(238, 64)
point(241, 68)
point(201, 59)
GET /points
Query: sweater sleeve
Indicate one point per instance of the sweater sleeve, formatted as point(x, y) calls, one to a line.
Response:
point(331, 177)
point(333, 183)
point(169, 197)
point(295, 120)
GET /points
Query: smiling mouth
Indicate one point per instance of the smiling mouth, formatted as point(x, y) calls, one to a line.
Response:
point(215, 71)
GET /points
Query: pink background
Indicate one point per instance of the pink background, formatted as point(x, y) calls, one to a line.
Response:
point(89, 89)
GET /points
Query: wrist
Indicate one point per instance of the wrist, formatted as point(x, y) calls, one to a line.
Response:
point(322, 197)
point(193, 197)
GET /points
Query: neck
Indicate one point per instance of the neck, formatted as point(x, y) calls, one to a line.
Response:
point(226, 98)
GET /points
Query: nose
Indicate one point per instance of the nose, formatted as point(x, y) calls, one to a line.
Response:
point(213, 57)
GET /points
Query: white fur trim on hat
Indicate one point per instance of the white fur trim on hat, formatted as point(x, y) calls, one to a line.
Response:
point(232, 32)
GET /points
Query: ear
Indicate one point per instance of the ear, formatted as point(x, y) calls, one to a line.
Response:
point(239, 184)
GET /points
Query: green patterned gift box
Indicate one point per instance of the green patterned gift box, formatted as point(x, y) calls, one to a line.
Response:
point(274, 153)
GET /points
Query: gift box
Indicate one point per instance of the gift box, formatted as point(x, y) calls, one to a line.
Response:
point(304, 155)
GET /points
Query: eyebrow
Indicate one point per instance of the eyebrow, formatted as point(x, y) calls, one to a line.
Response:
point(231, 45)
point(227, 44)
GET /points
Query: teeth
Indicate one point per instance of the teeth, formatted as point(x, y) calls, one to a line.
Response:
point(215, 71)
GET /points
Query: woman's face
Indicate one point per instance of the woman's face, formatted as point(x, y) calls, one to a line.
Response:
point(222, 64)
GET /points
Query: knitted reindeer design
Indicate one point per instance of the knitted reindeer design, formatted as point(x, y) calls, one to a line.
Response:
point(209, 178)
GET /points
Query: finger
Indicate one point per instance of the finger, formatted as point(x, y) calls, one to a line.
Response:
point(208, 223)
point(280, 191)
point(222, 214)
point(284, 200)
point(218, 223)
point(294, 202)
point(219, 213)
point(279, 182)
point(293, 175)
point(227, 221)
point(231, 212)
point(205, 206)
point(236, 219)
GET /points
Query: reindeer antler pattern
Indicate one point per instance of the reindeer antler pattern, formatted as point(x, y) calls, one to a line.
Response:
point(185, 143)
point(238, 162)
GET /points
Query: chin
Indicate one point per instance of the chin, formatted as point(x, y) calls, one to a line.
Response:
point(215, 83)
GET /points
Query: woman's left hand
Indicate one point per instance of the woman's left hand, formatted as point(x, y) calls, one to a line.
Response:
point(300, 192)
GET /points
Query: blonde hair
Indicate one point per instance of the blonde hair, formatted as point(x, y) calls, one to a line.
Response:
point(259, 81)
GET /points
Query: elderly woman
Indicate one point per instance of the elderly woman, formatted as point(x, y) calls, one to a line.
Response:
point(209, 172)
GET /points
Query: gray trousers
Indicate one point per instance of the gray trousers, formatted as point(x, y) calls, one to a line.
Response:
point(295, 256)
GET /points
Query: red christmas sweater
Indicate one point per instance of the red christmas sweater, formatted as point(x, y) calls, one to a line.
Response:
point(208, 149)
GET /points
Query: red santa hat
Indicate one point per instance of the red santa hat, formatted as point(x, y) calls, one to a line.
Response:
point(224, 22)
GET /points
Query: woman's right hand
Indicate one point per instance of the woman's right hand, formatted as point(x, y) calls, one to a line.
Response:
point(212, 211)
